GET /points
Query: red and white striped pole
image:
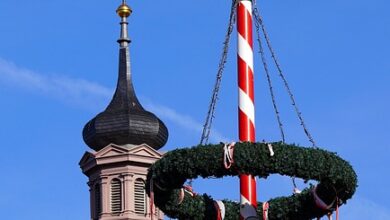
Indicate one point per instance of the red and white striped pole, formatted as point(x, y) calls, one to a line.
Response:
point(246, 100)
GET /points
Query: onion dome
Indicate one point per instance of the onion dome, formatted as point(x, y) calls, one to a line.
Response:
point(125, 121)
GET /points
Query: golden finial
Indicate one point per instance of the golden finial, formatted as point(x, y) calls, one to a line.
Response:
point(124, 10)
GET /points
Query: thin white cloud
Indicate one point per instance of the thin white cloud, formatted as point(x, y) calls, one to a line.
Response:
point(184, 121)
point(86, 94)
point(77, 91)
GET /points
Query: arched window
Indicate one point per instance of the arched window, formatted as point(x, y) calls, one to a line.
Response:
point(116, 196)
point(98, 201)
point(139, 197)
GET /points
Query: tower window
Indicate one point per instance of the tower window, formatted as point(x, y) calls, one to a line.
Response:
point(116, 196)
point(98, 201)
point(139, 197)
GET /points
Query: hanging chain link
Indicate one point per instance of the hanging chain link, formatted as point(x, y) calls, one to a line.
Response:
point(211, 112)
point(266, 70)
point(221, 67)
point(259, 21)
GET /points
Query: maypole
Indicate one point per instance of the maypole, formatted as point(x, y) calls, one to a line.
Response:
point(246, 111)
point(337, 181)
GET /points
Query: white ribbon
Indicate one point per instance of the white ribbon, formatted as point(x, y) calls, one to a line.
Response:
point(181, 196)
point(271, 150)
point(297, 191)
point(228, 151)
point(265, 210)
point(221, 207)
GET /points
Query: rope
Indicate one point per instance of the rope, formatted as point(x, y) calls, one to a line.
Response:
point(220, 209)
point(271, 150)
point(265, 210)
point(185, 189)
point(296, 190)
point(188, 189)
point(228, 152)
point(219, 217)
point(181, 196)
point(259, 21)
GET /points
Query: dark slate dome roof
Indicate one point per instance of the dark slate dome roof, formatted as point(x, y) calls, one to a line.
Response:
point(125, 121)
point(125, 127)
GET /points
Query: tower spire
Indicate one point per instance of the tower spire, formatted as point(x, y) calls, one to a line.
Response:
point(124, 11)
point(125, 122)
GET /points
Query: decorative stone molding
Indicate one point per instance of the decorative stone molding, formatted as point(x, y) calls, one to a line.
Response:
point(126, 163)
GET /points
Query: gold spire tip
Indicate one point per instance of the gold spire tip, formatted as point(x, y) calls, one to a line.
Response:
point(124, 10)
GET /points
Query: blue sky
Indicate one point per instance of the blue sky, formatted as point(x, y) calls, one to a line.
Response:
point(58, 67)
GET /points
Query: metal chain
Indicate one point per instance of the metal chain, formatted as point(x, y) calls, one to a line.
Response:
point(259, 20)
point(221, 67)
point(266, 70)
point(211, 112)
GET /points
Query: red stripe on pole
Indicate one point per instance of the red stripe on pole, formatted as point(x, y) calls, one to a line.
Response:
point(245, 181)
point(246, 127)
point(245, 80)
point(245, 19)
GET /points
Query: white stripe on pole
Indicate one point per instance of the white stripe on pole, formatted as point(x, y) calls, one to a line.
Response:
point(245, 51)
point(247, 106)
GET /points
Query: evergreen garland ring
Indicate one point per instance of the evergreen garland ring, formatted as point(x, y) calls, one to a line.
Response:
point(336, 178)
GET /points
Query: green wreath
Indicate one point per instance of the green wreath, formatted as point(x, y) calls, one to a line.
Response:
point(337, 179)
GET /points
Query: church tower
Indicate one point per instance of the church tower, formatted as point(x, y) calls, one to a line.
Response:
point(125, 139)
